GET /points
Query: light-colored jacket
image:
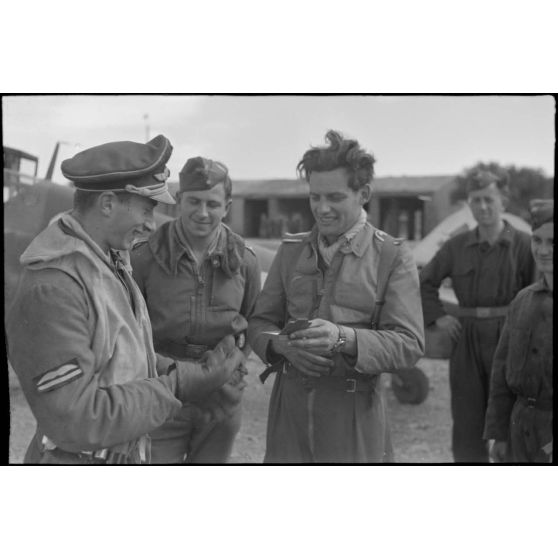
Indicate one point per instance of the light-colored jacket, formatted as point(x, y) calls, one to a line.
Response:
point(345, 294)
point(80, 342)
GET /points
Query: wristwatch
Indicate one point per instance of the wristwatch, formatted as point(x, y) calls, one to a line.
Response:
point(341, 340)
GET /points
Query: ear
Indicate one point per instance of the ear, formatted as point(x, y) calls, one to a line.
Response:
point(106, 203)
point(228, 205)
point(365, 193)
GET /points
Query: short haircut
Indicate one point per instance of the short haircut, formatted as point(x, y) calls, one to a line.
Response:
point(483, 178)
point(340, 153)
point(85, 199)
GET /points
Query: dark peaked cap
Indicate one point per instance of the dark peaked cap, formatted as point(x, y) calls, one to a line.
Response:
point(138, 168)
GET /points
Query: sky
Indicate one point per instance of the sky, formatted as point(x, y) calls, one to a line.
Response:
point(260, 137)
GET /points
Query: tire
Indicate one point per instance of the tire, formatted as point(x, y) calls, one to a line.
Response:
point(410, 386)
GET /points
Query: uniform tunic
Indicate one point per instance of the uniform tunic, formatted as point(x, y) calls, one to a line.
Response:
point(192, 307)
point(80, 343)
point(482, 275)
point(521, 391)
point(309, 421)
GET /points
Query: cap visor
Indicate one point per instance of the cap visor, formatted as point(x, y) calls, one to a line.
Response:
point(164, 197)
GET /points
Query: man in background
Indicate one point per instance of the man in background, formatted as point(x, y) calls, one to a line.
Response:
point(488, 266)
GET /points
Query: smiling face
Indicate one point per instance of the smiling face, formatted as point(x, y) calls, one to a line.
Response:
point(542, 247)
point(487, 205)
point(130, 219)
point(335, 206)
point(201, 211)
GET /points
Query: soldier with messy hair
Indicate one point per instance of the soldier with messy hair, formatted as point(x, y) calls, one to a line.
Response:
point(317, 321)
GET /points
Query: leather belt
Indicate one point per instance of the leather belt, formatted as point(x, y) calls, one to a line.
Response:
point(482, 312)
point(534, 403)
point(181, 351)
point(190, 351)
point(336, 383)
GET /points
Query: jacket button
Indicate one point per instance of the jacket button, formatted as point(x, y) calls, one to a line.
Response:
point(534, 350)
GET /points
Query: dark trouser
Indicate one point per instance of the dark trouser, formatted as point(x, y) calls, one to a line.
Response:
point(530, 434)
point(191, 438)
point(470, 366)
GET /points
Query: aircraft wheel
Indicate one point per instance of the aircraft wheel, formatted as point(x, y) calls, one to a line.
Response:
point(410, 385)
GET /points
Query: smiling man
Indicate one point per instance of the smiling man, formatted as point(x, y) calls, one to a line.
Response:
point(327, 404)
point(200, 282)
point(78, 331)
point(488, 267)
point(519, 414)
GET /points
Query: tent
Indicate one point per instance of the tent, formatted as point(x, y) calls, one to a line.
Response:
point(453, 224)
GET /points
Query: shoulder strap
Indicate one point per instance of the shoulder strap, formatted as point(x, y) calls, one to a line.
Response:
point(388, 253)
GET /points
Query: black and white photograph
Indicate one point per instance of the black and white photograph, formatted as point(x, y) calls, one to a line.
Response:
point(279, 279)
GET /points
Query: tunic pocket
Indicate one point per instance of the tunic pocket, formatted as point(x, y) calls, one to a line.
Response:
point(462, 279)
point(301, 295)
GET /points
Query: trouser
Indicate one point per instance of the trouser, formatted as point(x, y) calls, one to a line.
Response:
point(309, 422)
point(190, 437)
point(469, 374)
point(530, 433)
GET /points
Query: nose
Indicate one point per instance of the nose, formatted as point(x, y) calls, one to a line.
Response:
point(202, 210)
point(322, 207)
point(544, 250)
point(149, 224)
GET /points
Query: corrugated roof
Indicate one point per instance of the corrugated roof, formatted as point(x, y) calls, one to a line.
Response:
point(293, 188)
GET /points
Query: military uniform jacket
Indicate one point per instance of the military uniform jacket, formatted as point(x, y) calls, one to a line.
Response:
point(79, 341)
point(345, 294)
point(521, 391)
point(193, 305)
point(481, 275)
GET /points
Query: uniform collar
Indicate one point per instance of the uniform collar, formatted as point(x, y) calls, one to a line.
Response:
point(540, 285)
point(357, 244)
point(168, 245)
point(505, 237)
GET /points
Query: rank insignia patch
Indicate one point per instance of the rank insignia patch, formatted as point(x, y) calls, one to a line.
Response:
point(59, 376)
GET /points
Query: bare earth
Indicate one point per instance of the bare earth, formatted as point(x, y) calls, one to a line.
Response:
point(420, 433)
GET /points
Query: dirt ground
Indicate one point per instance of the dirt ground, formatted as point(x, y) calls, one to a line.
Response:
point(420, 433)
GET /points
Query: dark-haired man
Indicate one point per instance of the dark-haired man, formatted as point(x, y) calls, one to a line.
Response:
point(327, 404)
point(78, 331)
point(200, 283)
point(488, 267)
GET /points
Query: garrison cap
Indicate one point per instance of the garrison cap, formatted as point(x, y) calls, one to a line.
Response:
point(138, 168)
point(200, 173)
point(542, 211)
point(483, 178)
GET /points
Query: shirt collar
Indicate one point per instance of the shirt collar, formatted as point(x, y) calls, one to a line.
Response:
point(540, 285)
point(182, 246)
point(505, 237)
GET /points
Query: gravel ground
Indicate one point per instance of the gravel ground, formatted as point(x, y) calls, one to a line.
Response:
point(420, 433)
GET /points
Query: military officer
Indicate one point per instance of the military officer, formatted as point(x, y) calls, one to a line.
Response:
point(78, 332)
point(327, 404)
point(488, 267)
point(519, 414)
point(200, 281)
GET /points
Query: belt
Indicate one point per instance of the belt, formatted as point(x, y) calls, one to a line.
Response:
point(85, 457)
point(336, 383)
point(482, 312)
point(534, 403)
point(190, 351)
point(98, 457)
point(181, 351)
